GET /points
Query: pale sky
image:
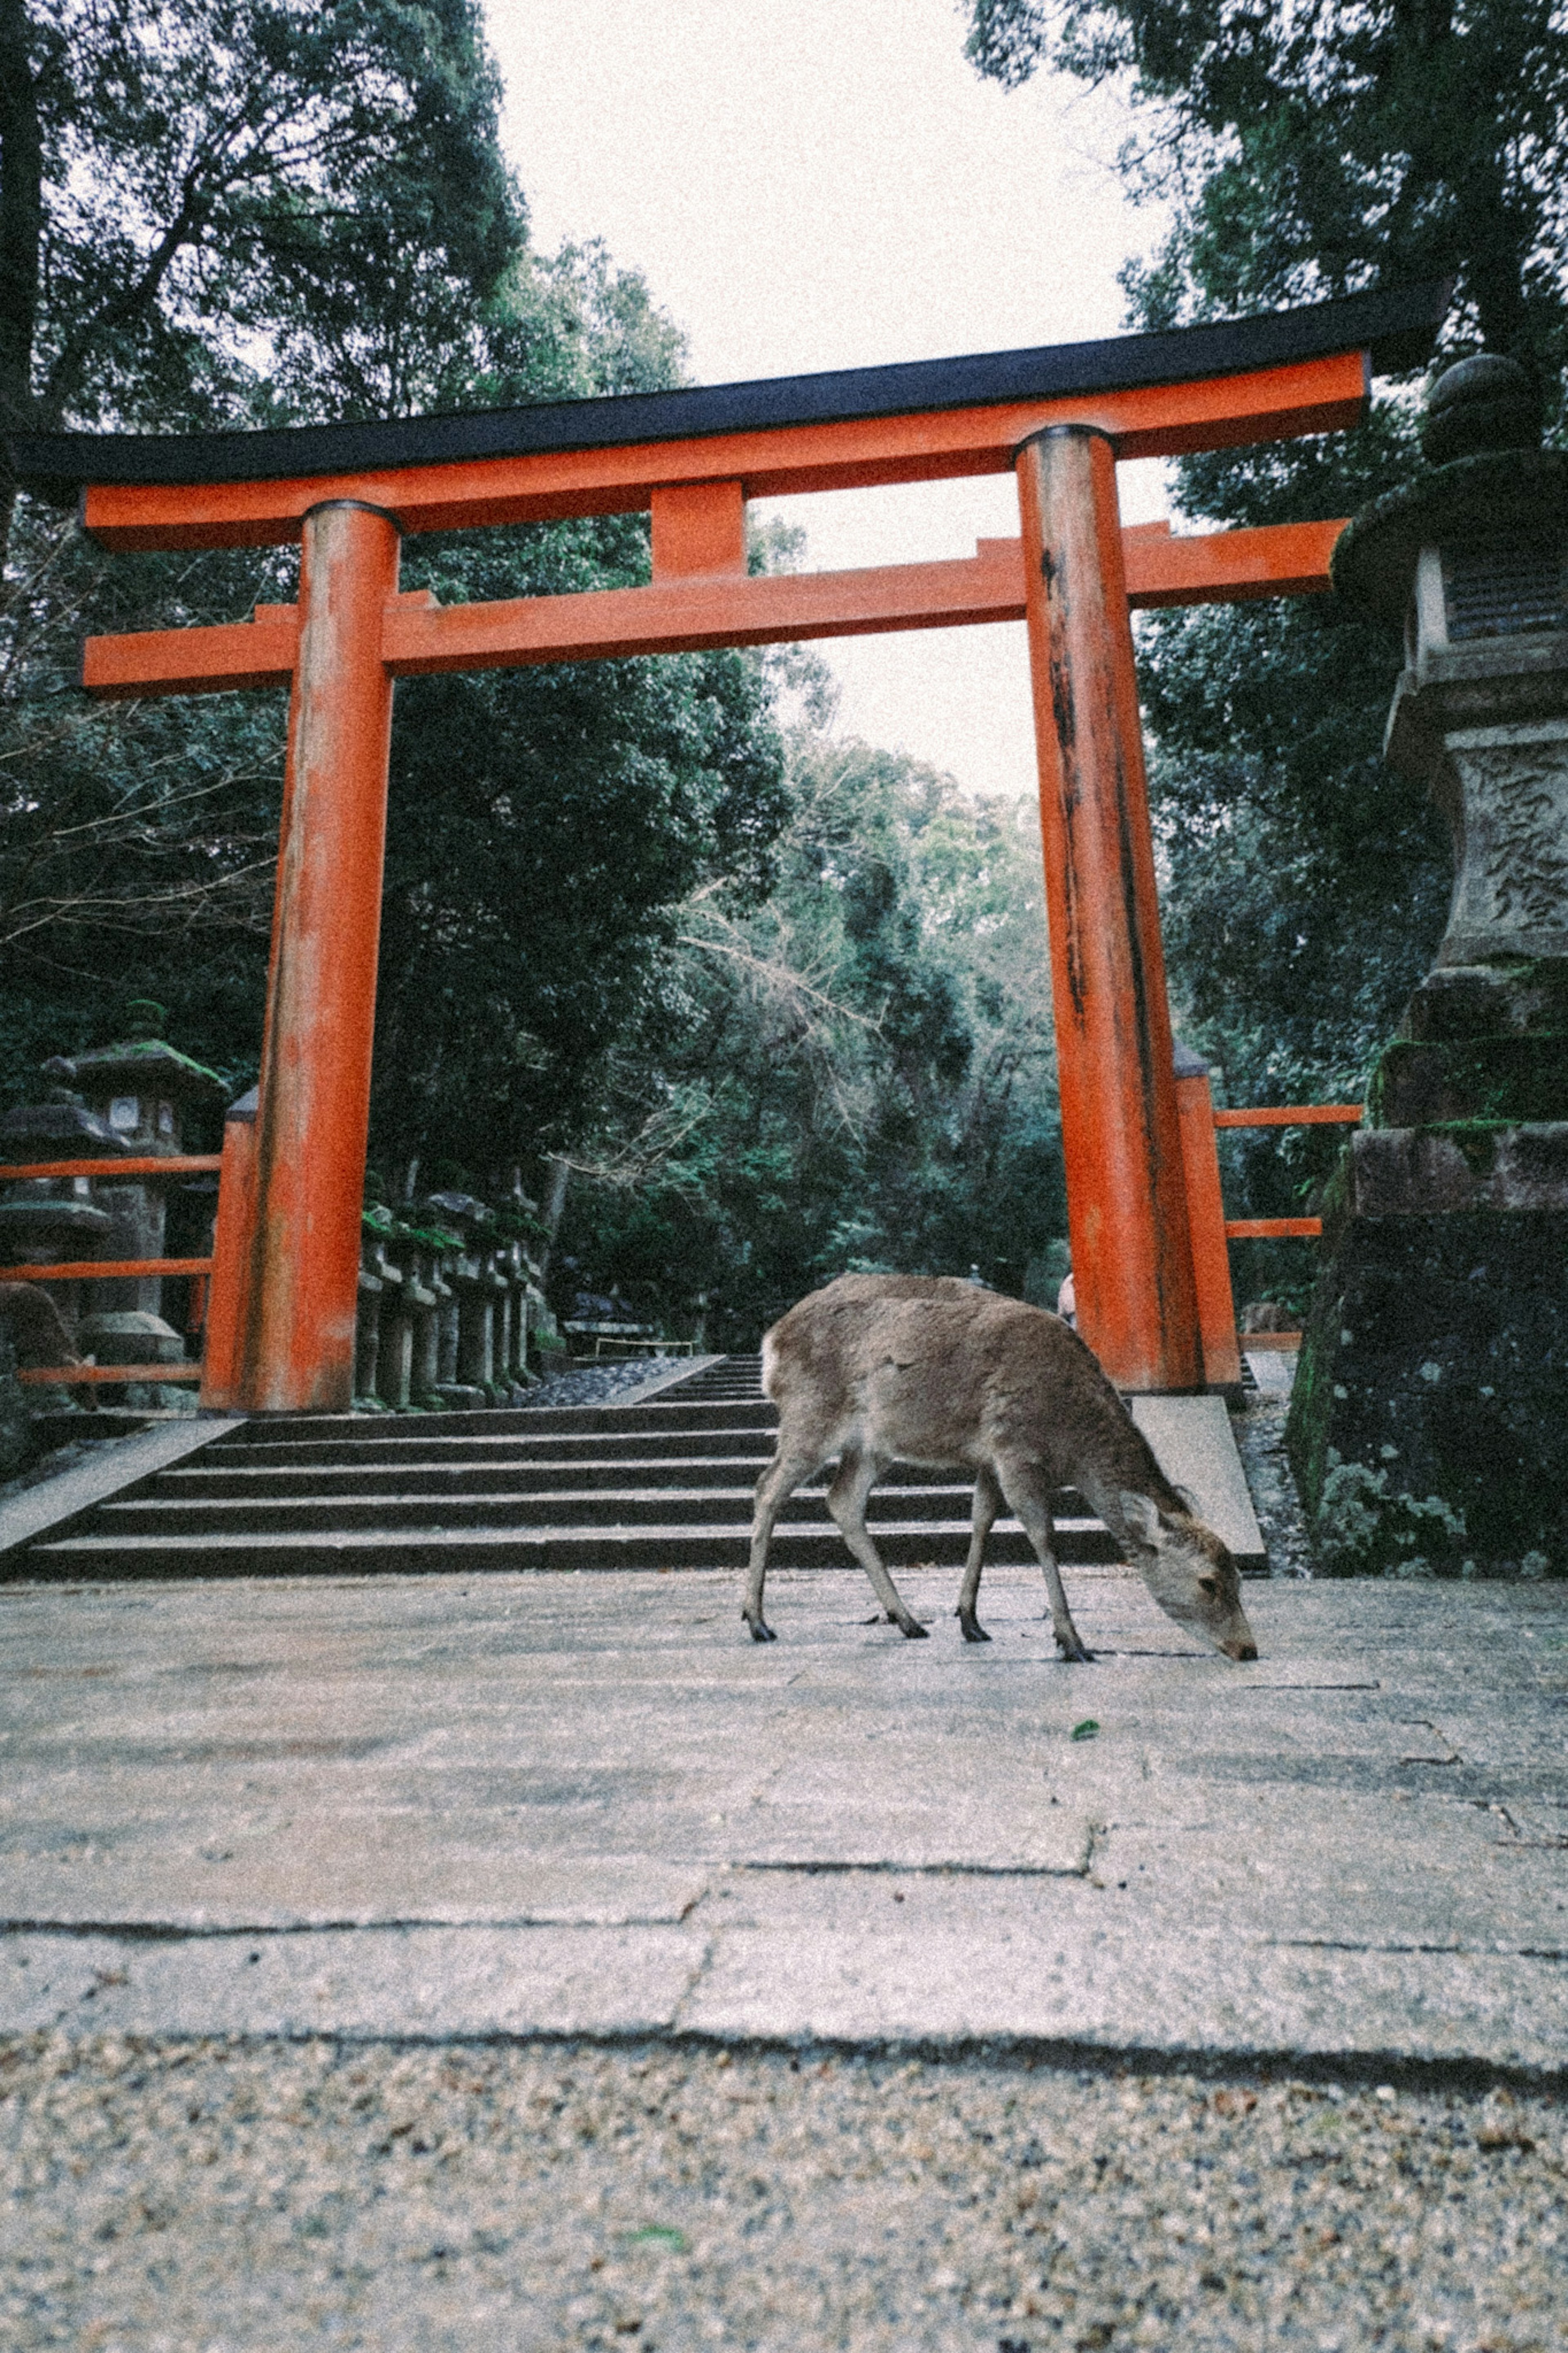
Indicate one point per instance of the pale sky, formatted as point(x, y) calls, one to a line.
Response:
point(824, 183)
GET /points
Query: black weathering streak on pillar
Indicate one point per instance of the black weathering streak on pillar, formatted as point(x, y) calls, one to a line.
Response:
point(1121, 1135)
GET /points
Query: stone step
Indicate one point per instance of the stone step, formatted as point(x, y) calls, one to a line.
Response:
point(159, 1512)
point(507, 1475)
point(430, 1444)
point(667, 1412)
point(667, 1484)
point(706, 1472)
point(96, 1555)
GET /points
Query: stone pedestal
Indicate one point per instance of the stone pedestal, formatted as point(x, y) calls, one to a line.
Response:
point(47, 1219)
point(1429, 1424)
point(134, 1335)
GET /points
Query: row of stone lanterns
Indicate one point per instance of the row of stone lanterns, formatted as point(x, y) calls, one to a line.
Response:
point(450, 1304)
point(450, 1307)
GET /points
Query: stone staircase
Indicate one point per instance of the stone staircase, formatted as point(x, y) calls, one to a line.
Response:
point(662, 1483)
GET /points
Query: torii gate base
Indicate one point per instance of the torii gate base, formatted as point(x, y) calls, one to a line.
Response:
point(286, 1252)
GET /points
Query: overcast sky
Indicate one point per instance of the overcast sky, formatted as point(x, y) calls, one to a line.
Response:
point(821, 183)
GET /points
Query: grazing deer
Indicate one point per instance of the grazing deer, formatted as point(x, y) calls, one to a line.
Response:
point(883, 1368)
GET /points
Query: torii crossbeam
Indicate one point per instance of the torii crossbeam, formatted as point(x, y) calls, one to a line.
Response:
point(1058, 416)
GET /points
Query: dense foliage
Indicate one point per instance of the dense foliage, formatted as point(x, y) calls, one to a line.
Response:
point(214, 207)
point(1315, 145)
point(231, 212)
point(1305, 150)
point(856, 1075)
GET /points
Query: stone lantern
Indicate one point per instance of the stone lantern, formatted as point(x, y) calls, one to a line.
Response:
point(141, 1090)
point(467, 1370)
point(47, 1219)
point(1428, 1428)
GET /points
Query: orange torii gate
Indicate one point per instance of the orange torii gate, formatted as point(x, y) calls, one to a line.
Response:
point(286, 1251)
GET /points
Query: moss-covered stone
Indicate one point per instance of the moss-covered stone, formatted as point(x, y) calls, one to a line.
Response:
point(1428, 1430)
point(1425, 1082)
point(1508, 998)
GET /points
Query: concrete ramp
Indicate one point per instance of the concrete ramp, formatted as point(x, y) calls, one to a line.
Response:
point(1196, 1448)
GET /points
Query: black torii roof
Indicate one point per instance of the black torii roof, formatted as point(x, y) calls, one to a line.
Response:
point(1398, 326)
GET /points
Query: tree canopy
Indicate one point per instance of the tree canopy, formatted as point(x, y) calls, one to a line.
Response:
point(856, 1073)
point(1313, 147)
point(198, 194)
point(260, 211)
point(1306, 151)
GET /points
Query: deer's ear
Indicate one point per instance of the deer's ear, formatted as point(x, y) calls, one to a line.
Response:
point(1141, 1516)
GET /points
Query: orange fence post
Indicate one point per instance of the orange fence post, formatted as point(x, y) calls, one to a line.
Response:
point(313, 1110)
point(1205, 1222)
point(1127, 1204)
point(233, 1245)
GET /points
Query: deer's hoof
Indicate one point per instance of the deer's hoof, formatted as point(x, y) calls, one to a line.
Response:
point(912, 1630)
point(972, 1629)
point(1074, 1651)
point(761, 1630)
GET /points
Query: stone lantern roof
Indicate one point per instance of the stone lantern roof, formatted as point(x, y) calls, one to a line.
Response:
point(60, 1130)
point(138, 1065)
point(1489, 484)
point(141, 1086)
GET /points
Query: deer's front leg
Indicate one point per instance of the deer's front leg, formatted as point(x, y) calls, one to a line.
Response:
point(793, 1461)
point(987, 1503)
point(1026, 1496)
point(846, 1498)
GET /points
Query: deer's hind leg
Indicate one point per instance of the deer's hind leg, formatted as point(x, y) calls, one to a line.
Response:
point(797, 1457)
point(1026, 1495)
point(987, 1503)
point(847, 1499)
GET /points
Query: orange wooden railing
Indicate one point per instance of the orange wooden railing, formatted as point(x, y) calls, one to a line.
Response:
point(179, 1165)
point(1211, 1231)
point(1252, 1230)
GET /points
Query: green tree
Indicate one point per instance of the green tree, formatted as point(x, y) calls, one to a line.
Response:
point(251, 211)
point(1304, 152)
point(856, 1073)
point(197, 196)
point(1310, 148)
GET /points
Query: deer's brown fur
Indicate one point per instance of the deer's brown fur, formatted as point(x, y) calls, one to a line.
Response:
point(927, 1369)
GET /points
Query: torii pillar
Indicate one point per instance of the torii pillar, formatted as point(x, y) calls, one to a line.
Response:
point(1127, 1212)
point(296, 1342)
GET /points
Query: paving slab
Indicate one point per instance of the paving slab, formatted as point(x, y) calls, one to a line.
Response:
point(523, 1804)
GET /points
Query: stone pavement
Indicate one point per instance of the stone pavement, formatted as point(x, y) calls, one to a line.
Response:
point(520, 1804)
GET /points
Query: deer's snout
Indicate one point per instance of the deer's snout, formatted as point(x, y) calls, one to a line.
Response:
point(1240, 1649)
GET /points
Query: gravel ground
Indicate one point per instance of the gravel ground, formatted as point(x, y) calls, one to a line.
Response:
point(230, 2198)
point(604, 1384)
